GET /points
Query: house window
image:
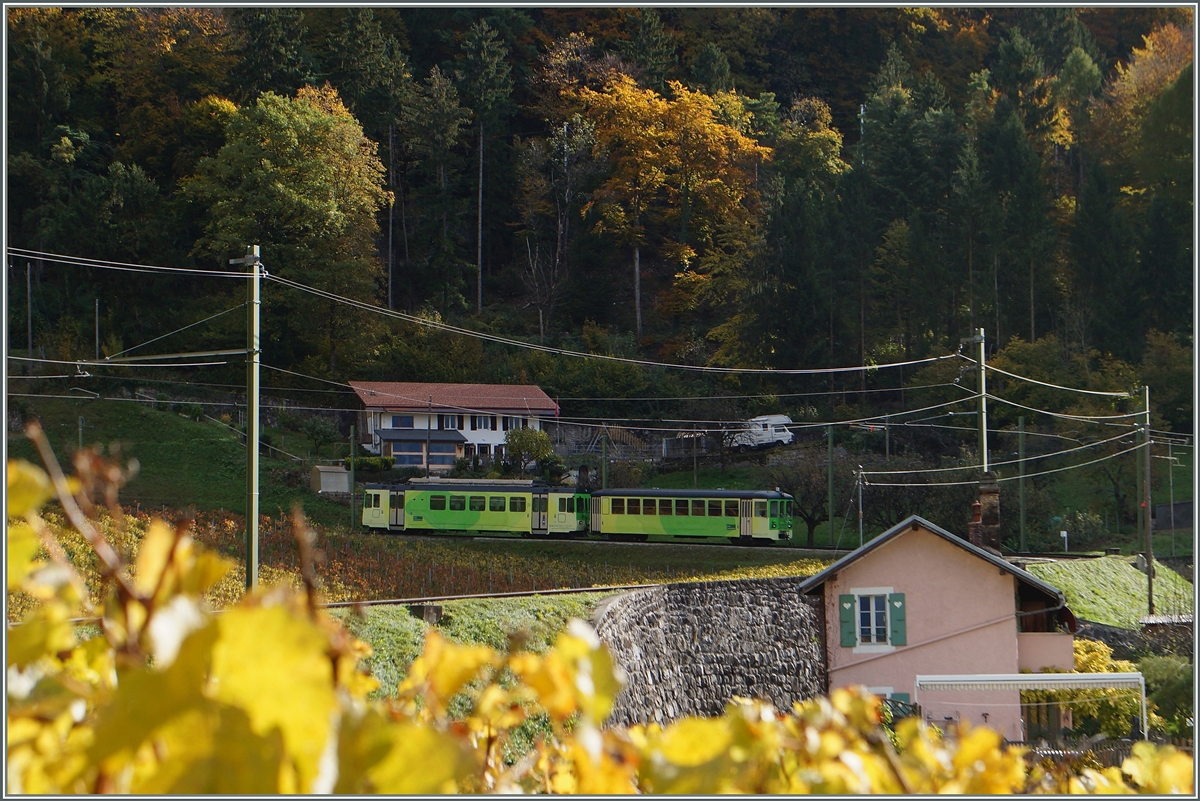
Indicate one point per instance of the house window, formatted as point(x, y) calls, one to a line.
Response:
point(450, 422)
point(402, 421)
point(408, 453)
point(482, 422)
point(446, 448)
point(872, 619)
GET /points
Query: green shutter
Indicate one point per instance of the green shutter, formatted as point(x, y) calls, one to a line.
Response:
point(896, 615)
point(846, 615)
point(901, 697)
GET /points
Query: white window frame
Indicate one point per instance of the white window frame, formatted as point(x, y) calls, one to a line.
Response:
point(872, 647)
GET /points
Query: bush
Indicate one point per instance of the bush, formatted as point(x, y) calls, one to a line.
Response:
point(193, 411)
point(370, 464)
point(287, 419)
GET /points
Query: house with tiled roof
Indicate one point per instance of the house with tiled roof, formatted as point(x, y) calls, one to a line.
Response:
point(432, 425)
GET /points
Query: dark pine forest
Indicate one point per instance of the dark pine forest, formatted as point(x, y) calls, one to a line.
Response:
point(737, 187)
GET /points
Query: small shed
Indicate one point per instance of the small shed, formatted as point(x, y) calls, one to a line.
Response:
point(330, 478)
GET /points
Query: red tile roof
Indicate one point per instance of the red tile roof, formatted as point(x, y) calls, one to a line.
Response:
point(404, 396)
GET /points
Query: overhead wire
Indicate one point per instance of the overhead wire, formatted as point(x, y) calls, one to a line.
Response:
point(102, 363)
point(176, 331)
point(481, 335)
point(1052, 386)
point(1078, 417)
point(997, 464)
point(1008, 478)
point(77, 261)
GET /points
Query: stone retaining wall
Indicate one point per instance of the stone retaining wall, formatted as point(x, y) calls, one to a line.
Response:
point(688, 648)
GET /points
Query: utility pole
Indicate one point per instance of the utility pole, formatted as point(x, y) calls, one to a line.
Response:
point(1146, 500)
point(351, 477)
point(253, 340)
point(860, 515)
point(29, 317)
point(604, 462)
point(81, 432)
point(695, 465)
point(829, 496)
point(428, 429)
point(983, 444)
point(1021, 465)
point(97, 329)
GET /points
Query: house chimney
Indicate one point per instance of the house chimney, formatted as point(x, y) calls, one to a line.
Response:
point(975, 527)
point(989, 520)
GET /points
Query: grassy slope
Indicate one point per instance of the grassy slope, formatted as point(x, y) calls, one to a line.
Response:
point(181, 462)
point(1110, 590)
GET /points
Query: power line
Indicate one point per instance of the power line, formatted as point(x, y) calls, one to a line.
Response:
point(579, 354)
point(1054, 386)
point(1009, 478)
point(995, 464)
point(1078, 417)
point(178, 330)
point(102, 363)
point(76, 261)
point(774, 394)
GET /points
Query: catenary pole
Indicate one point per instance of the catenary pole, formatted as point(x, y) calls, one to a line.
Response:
point(253, 340)
point(983, 444)
point(1146, 501)
point(829, 494)
point(351, 460)
point(1021, 464)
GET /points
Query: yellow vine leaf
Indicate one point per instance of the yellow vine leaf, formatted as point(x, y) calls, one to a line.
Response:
point(23, 546)
point(28, 488)
point(378, 755)
point(444, 667)
point(272, 663)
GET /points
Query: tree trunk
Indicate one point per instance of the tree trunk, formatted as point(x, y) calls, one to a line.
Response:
point(479, 233)
point(1032, 333)
point(637, 288)
point(391, 210)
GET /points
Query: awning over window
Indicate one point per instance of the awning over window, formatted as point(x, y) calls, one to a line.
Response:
point(419, 435)
point(1036, 681)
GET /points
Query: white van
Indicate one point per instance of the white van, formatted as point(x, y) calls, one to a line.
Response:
point(766, 429)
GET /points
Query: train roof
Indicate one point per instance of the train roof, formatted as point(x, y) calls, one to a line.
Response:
point(692, 493)
point(473, 486)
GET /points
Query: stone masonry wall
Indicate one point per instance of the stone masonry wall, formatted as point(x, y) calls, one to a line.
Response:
point(688, 648)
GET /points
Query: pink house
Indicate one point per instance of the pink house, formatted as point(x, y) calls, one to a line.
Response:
point(918, 600)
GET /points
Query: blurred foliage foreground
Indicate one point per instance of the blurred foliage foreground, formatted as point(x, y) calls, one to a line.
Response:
point(270, 696)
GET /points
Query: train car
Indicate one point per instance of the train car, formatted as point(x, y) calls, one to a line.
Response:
point(741, 516)
point(476, 505)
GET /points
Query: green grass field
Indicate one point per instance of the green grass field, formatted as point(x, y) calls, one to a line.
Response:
point(1110, 590)
point(181, 463)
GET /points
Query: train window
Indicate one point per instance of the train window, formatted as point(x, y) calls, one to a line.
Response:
point(788, 513)
point(496, 503)
point(664, 506)
point(437, 502)
point(397, 500)
point(760, 508)
point(562, 504)
point(697, 508)
point(714, 508)
point(375, 503)
point(458, 503)
point(774, 508)
point(618, 506)
point(649, 507)
point(516, 504)
point(731, 508)
point(634, 505)
point(477, 503)
point(681, 508)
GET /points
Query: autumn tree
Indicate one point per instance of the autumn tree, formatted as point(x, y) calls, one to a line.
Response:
point(298, 176)
point(271, 50)
point(632, 135)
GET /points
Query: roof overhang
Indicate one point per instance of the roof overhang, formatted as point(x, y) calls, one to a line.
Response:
point(1031, 681)
point(1036, 681)
point(419, 435)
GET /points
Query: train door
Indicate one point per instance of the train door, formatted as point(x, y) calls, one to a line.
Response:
point(396, 514)
point(540, 512)
point(747, 521)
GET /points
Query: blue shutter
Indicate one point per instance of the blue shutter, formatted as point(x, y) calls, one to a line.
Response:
point(846, 616)
point(901, 697)
point(896, 616)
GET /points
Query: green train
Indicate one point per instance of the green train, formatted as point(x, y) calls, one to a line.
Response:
point(533, 509)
